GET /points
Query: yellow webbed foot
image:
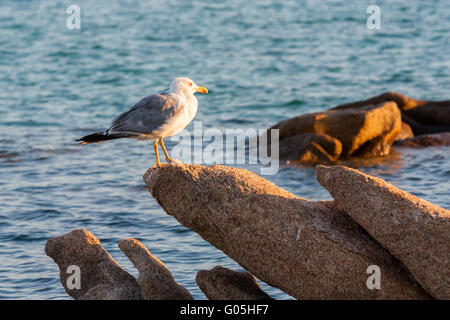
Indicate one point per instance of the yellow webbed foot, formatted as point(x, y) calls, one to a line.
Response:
point(160, 165)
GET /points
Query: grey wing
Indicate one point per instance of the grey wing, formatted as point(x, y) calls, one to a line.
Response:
point(147, 115)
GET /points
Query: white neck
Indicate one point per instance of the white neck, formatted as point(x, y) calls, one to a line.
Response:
point(187, 94)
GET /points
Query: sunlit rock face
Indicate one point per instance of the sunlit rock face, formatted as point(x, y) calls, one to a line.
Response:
point(155, 279)
point(102, 278)
point(363, 132)
point(362, 129)
point(415, 231)
point(302, 247)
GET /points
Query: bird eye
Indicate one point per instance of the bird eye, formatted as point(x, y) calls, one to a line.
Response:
point(190, 84)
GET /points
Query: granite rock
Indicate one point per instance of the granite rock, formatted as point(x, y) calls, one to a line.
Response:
point(221, 283)
point(425, 140)
point(310, 148)
point(101, 277)
point(415, 231)
point(305, 249)
point(372, 128)
point(424, 116)
point(155, 279)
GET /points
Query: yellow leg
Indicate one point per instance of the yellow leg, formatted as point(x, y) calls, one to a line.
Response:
point(155, 146)
point(161, 142)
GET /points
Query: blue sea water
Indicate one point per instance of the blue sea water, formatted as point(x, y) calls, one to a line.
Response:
point(262, 61)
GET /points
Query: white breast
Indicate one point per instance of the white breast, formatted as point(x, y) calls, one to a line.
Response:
point(181, 120)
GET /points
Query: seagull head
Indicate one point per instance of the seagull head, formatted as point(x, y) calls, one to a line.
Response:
point(186, 86)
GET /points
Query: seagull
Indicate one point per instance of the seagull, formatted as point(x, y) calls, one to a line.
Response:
point(155, 117)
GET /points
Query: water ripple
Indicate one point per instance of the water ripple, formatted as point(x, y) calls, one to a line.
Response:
point(263, 62)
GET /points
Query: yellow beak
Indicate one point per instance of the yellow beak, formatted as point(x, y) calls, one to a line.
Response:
point(201, 90)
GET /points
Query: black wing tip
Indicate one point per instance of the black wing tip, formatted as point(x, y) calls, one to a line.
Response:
point(94, 137)
point(81, 143)
point(102, 137)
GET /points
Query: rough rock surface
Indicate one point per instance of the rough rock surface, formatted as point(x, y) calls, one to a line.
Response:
point(310, 148)
point(433, 117)
point(425, 140)
point(403, 102)
point(373, 128)
point(405, 133)
point(416, 231)
point(155, 279)
point(423, 116)
point(101, 277)
point(301, 247)
point(221, 283)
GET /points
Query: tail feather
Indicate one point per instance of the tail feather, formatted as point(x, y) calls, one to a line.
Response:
point(102, 136)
